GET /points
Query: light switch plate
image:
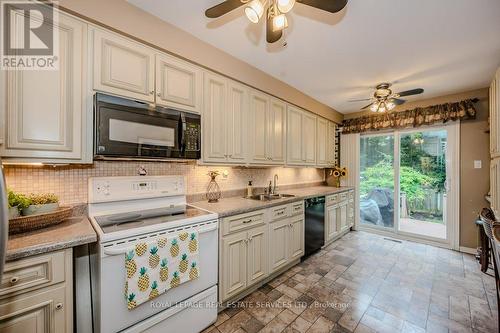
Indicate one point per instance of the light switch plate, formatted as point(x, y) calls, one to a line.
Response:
point(478, 164)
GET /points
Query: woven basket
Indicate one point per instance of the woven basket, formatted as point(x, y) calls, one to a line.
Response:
point(33, 222)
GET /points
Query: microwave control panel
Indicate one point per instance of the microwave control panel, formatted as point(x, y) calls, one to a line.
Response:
point(192, 136)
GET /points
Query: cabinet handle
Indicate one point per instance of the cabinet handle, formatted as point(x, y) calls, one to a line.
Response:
point(247, 221)
point(246, 241)
point(14, 280)
point(250, 239)
point(290, 225)
point(158, 94)
point(152, 92)
point(280, 213)
point(59, 306)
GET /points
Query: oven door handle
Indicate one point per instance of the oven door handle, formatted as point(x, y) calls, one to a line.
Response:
point(123, 250)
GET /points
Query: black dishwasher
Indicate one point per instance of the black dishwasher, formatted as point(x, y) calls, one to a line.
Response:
point(314, 225)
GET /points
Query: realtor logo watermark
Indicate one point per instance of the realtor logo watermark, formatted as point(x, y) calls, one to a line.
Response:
point(29, 35)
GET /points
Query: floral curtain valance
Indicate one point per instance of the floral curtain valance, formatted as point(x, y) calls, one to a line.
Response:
point(412, 118)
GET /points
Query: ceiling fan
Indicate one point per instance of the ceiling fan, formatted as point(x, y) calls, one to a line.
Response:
point(275, 11)
point(385, 100)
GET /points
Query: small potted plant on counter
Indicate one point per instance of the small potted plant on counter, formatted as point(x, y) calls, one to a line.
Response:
point(41, 204)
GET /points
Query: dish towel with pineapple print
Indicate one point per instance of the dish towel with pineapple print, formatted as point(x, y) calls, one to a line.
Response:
point(154, 267)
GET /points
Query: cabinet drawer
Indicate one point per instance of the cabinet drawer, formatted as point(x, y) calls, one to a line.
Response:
point(297, 208)
point(241, 222)
point(342, 196)
point(277, 213)
point(351, 195)
point(332, 199)
point(32, 273)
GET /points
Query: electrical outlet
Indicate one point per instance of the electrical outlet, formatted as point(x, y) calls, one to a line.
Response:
point(478, 164)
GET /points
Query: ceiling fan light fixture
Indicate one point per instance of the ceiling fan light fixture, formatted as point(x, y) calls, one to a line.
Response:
point(280, 22)
point(254, 11)
point(285, 6)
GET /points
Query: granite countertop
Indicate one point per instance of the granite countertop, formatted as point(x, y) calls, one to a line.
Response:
point(72, 232)
point(238, 205)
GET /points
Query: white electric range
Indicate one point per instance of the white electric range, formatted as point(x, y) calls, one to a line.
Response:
point(128, 210)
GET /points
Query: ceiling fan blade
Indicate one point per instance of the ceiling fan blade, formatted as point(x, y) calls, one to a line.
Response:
point(366, 106)
point(223, 8)
point(411, 92)
point(359, 100)
point(397, 101)
point(332, 6)
point(272, 36)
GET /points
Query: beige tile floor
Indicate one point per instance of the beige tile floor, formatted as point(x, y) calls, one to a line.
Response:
point(365, 283)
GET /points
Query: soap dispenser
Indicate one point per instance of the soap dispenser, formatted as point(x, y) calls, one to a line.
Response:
point(249, 189)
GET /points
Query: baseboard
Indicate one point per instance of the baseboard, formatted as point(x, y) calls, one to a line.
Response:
point(468, 250)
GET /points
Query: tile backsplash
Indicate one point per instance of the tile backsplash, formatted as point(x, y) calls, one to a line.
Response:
point(69, 183)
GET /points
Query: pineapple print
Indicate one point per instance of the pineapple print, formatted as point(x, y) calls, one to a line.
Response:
point(154, 291)
point(183, 265)
point(143, 282)
point(130, 264)
point(126, 290)
point(131, 303)
point(164, 270)
point(154, 258)
point(174, 249)
point(176, 280)
point(162, 242)
point(193, 272)
point(183, 236)
point(193, 243)
point(140, 249)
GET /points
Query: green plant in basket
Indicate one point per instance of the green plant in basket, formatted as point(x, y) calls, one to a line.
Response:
point(40, 204)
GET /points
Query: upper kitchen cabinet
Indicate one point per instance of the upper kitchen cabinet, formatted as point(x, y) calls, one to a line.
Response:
point(224, 120)
point(179, 84)
point(330, 142)
point(322, 142)
point(267, 131)
point(122, 66)
point(495, 116)
point(44, 114)
point(301, 137)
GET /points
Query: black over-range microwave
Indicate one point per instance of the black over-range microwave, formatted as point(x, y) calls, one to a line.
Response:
point(135, 130)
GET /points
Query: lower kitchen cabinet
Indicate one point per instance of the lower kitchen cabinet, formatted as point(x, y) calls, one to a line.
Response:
point(36, 294)
point(243, 261)
point(339, 214)
point(257, 244)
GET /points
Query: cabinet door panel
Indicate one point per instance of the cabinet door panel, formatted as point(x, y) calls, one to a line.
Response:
point(257, 254)
point(296, 238)
point(178, 84)
point(123, 67)
point(322, 139)
point(234, 265)
point(332, 227)
point(309, 139)
point(342, 216)
point(278, 244)
point(214, 119)
point(330, 154)
point(495, 185)
point(237, 113)
point(277, 132)
point(44, 111)
point(259, 134)
point(35, 313)
point(294, 145)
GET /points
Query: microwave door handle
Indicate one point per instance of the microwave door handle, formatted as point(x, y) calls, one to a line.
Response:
point(182, 145)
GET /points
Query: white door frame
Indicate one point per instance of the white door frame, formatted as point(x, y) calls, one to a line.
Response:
point(453, 186)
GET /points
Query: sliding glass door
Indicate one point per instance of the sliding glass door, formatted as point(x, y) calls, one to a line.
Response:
point(405, 183)
point(377, 184)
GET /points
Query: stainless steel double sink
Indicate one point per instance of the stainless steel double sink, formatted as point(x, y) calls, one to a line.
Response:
point(270, 197)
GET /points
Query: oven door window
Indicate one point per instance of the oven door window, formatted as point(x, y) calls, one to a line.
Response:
point(138, 133)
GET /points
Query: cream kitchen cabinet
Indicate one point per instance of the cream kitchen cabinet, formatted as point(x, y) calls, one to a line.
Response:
point(279, 233)
point(45, 115)
point(243, 261)
point(332, 228)
point(224, 121)
point(267, 134)
point(495, 185)
point(342, 216)
point(301, 137)
point(322, 143)
point(179, 84)
point(495, 116)
point(122, 66)
point(339, 214)
point(36, 294)
point(296, 238)
point(330, 155)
